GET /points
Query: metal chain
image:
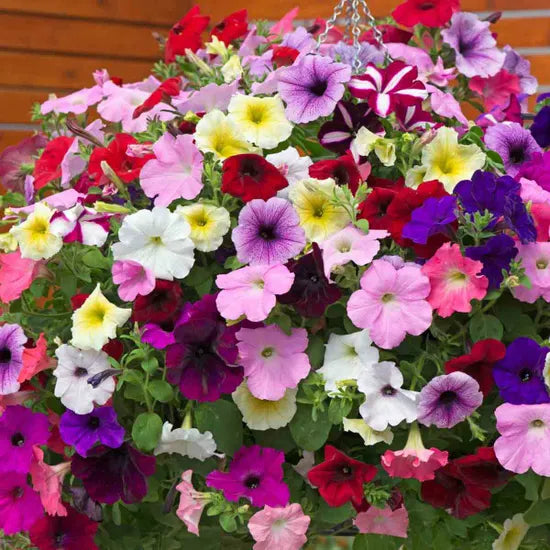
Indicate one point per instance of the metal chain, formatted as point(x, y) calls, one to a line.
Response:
point(356, 32)
point(332, 21)
point(377, 33)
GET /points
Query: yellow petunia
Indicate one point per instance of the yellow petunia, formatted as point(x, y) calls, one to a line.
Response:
point(319, 216)
point(35, 237)
point(514, 531)
point(208, 224)
point(262, 120)
point(96, 321)
point(448, 161)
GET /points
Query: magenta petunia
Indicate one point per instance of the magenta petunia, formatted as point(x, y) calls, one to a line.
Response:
point(20, 505)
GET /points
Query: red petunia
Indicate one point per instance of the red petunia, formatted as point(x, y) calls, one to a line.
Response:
point(167, 89)
point(186, 34)
point(250, 176)
point(390, 34)
point(431, 13)
point(343, 171)
point(283, 56)
point(340, 478)
point(48, 166)
point(479, 362)
point(375, 207)
point(234, 26)
point(159, 306)
point(127, 168)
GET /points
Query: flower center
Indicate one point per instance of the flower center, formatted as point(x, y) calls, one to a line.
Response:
point(318, 212)
point(40, 227)
point(252, 482)
point(59, 539)
point(18, 439)
point(267, 352)
point(542, 263)
point(447, 397)
point(155, 240)
point(267, 233)
point(80, 372)
point(525, 375)
point(388, 390)
point(346, 471)
point(319, 88)
point(517, 155)
point(340, 175)
point(96, 315)
point(5, 355)
point(426, 6)
point(93, 422)
point(388, 297)
point(256, 114)
point(538, 423)
point(249, 169)
point(457, 277)
point(258, 284)
point(314, 278)
point(17, 492)
point(344, 247)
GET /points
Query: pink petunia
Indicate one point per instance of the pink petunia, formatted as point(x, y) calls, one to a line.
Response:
point(524, 440)
point(16, 275)
point(391, 303)
point(191, 505)
point(383, 521)
point(535, 259)
point(273, 361)
point(496, 90)
point(77, 102)
point(283, 528)
point(133, 279)
point(351, 245)
point(251, 291)
point(209, 97)
point(454, 280)
point(35, 360)
point(175, 173)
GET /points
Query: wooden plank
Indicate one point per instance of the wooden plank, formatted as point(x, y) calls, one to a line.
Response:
point(528, 32)
point(540, 67)
point(15, 105)
point(161, 12)
point(57, 35)
point(63, 71)
point(504, 5)
point(11, 137)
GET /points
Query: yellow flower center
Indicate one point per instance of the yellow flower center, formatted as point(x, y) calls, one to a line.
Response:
point(94, 316)
point(39, 226)
point(267, 352)
point(256, 114)
point(542, 264)
point(156, 240)
point(388, 297)
point(538, 423)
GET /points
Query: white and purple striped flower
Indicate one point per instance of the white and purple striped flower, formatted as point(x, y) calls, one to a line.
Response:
point(81, 224)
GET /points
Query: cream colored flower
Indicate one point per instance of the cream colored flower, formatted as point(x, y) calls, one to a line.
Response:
point(514, 531)
point(415, 176)
point(370, 436)
point(366, 142)
point(232, 69)
point(208, 224)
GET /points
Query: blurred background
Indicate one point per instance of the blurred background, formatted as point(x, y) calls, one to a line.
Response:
point(54, 45)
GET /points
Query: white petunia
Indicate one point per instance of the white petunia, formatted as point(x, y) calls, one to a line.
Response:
point(186, 442)
point(74, 368)
point(346, 356)
point(291, 165)
point(158, 240)
point(385, 402)
point(370, 436)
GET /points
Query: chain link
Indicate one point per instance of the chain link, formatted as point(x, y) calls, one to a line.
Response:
point(332, 21)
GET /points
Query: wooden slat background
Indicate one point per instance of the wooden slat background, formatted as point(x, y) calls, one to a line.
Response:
point(54, 45)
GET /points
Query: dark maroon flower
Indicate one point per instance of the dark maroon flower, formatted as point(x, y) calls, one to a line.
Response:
point(160, 306)
point(342, 170)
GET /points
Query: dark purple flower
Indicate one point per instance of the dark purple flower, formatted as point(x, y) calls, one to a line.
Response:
point(12, 339)
point(338, 133)
point(112, 474)
point(312, 87)
point(201, 359)
point(13, 159)
point(519, 376)
point(518, 219)
point(86, 505)
point(448, 399)
point(256, 473)
point(311, 292)
point(433, 217)
point(20, 429)
point(513, 143)
point(268, 232)
point(495, 255)
point(540, 129)
point(537, 169)
point(83, 431)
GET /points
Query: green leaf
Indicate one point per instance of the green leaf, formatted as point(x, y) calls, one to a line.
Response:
point(94, 258)
point(150, 364)
point(228, 523)
point(338, 409)
point(531, 484)
point(485, 326)
point(278, 439)
point(332, 515)
point(316, 350)
point(309, 434)
point(376, 542)
point(538, 514)
point(146, 431)
point(363, 225)
point(161, 390)
point(223, 419)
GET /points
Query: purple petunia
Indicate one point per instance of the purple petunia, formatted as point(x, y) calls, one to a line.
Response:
point(268, 232)
point(448, 399)
point(312, 87)
point(12, 339)
point(540, 129)
point(433, 217)
point(20, 429)
point(256, 473)
point(83, 431)
point(519, 376)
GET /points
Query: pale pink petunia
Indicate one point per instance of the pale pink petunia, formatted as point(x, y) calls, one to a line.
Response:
point(16, 275)
point(351, 245)
point(251, 291)
point(279, 528)
point(531, 191)
point(284, 25)
point(77, 102)
point(535, 259)
point(444, 104)
point(191, 504)
point(454, 280)
point(209, 97)
point(133, 279)
point(391, 303)
point(58, 201)
point(175, 173)
point(383, 521)
point(48, 482)
point(273, 360)
point(524, 440)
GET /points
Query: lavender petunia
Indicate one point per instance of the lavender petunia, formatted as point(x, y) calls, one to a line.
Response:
point(514, 63)
point(346, 53)
point(12, 339)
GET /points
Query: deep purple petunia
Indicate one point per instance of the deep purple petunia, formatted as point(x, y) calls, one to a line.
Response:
point(513, 143)
point(311, 292)
point(448, 399)
point(540, 129)
point(496, 255)
point(112, 474)
point(20, 505)
point(519, 376)
point(20, 429)
point(434, 216)
point(83, 431)
point(268, 232)
point(12, 339)
point(518, 219)
point(256, 473)
point(312, 87)
point(205, 350)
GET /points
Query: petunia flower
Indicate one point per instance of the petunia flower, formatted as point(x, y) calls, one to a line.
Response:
point(340, 478)
point(252, 290)
point(368, 435)
point(448, 399)
point(383, 521)
point(535, 259)
point(158, 240)
point(186, 442)
point(160, 306)
point(311, 87)
point(386, 404)
point(13, 157)
point(191, 503)
point(414, 461)
point(291, 165)
point(343, 170)
point(12, 339)
point(81, 224)
point(272, 360)
point(73, 370)
point(20, 505)
point(35, 359)
point(391, 303)
point(431, 14)
point(208, 224)
point(255, 473)
point(514, 531)
point(496, 91)
point(540, 129)
point(175, 172)
point(48, 166)
point(279, 528)
point(133, 279)
point(186, 34)
point(268, 232)
point(517, 65)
